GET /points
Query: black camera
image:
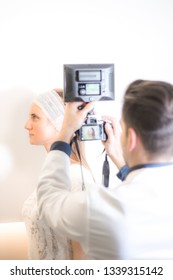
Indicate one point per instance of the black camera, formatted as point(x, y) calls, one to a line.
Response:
point(89, 82)
point(92, 129)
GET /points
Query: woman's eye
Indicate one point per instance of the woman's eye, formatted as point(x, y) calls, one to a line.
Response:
point(34, 117)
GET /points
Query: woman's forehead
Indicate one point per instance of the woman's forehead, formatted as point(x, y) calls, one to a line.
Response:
point(35, 109)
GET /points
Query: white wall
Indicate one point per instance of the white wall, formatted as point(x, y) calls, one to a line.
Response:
point(38, 37)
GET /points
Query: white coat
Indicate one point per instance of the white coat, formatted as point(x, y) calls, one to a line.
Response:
point(132, 221)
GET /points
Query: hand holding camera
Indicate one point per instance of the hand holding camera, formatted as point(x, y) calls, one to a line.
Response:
point(113, 144)
point(73, 119)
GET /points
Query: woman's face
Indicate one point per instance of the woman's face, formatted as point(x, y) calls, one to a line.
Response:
point(41, 131)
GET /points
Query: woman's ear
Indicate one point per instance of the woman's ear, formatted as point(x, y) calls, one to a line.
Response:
point(132, 139)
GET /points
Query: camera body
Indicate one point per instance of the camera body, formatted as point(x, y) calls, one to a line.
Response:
point(86, 83)
point(92, 129)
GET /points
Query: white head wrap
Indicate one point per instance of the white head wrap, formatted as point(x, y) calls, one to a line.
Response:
point(53, 107)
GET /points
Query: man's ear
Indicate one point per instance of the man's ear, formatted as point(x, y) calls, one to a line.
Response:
point(132, 139)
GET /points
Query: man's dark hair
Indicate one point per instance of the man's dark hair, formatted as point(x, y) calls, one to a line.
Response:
point(148, 109)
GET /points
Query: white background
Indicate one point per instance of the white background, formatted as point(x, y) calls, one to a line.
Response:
point(37, 37)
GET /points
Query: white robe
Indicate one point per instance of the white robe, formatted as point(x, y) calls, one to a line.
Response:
point(132, 221)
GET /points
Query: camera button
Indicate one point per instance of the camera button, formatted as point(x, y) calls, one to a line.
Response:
point(82, 91)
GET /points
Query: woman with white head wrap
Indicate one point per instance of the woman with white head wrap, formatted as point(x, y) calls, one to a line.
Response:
point(52, 105)
point(44, 123)
point(45, 119)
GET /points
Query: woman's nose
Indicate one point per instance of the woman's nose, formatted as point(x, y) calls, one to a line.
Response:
point(28, 125)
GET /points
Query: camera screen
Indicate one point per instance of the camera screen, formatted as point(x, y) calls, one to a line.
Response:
point(89, 75)
point(90, 132)
point(92, 89)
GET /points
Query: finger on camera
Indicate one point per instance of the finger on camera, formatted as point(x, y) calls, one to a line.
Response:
point(108, 129)
point(89, 107)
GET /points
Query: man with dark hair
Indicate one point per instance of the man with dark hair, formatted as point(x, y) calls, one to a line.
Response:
point(135, 219)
